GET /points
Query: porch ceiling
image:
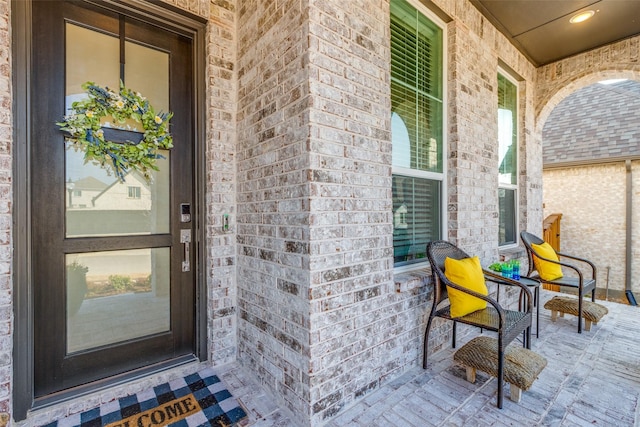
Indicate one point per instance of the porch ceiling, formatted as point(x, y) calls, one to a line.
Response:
point(541, 30)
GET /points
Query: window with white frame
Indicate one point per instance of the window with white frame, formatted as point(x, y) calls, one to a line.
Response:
point(416, 131)
point(508, 160)
point(133, 192)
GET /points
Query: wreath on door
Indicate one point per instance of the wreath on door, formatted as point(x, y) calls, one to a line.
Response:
point(138, 151)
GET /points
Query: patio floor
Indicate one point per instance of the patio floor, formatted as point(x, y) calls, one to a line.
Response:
point(590, 379)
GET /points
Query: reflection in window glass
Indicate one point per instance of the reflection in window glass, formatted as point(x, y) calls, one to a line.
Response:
point(90, 56)
point(416, 131)
point(508, 159)
point(98, 204)
point(507, 222)
point(416, 217)
point(116, 296)
point(134, 192)
point(507, 131)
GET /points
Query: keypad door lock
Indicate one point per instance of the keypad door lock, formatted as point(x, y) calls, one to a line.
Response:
point(185, 212)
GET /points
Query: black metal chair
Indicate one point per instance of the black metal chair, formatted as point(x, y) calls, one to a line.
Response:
point(580, 283)
point(508, 324)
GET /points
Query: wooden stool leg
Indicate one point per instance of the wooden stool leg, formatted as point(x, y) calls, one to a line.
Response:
point(554, 315)
point(471, 374)
point(515, 393)
point(587, 325)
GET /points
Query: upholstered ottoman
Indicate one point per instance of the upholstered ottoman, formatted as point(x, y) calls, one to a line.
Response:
point(521, 366)
point(591, 311)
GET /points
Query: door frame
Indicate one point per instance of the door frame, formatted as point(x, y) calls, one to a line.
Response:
point(165, 16)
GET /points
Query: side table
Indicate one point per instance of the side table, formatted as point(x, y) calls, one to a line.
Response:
point(535, 284)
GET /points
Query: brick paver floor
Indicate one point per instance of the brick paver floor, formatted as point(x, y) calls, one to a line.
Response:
point(591, 379)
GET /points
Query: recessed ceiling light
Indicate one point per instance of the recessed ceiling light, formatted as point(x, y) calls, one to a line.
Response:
point(582, 16)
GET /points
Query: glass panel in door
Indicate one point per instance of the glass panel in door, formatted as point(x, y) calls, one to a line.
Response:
point(115, 296)
point(97, 202)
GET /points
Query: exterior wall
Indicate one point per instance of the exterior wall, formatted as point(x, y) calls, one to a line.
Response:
point(220, 180)
point(273, 197)
point(359, 325)
point(557, 80)
point(304, 170)
point(594, 227)
point(475, 49)
point(323, 319)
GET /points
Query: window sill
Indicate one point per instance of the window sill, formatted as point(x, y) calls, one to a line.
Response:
point(407, 281)
point(512, 252)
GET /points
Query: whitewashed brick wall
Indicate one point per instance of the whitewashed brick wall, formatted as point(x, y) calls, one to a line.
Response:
point(358, 322)
point(220, 181)
point(273, 197)
point(298, 153)
point(592, 202)
point(323, 319)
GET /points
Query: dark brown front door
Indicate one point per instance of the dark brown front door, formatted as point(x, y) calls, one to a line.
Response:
point(113, 282)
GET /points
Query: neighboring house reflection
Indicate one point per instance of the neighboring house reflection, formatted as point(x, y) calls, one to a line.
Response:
point(81, 193)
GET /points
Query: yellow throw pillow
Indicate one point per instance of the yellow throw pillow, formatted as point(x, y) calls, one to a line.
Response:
point(466, 272)
point(547, 270)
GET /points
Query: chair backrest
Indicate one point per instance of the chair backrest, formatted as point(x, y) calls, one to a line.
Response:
point(528, 239)
point(437, 252)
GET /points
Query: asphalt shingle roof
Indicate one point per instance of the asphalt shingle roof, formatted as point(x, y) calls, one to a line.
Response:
point(599, 122)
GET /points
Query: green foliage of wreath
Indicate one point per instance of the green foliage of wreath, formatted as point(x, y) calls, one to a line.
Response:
point(84, 130)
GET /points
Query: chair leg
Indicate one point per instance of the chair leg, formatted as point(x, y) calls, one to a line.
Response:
point(580, 296)
point(536, 300)
point(453, 335)
point(500, 373)
point(426, 343)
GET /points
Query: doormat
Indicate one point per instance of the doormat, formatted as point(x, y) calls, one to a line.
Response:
point(200, 399)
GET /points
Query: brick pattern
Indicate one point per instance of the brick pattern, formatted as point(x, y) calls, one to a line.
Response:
point(273, 197)
point(359, 324)
point(220, 181)
point(322, 319)
point(473, 148)
point(559, 79)
point(298, 153)
point(594, 227)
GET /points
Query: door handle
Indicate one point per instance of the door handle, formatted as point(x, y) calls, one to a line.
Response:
point(185, 238)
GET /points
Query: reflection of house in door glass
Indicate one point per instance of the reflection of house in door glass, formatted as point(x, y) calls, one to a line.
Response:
point(118, 282)
point(102, 205)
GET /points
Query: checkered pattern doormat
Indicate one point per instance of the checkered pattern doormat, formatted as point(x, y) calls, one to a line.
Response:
point(200, 399)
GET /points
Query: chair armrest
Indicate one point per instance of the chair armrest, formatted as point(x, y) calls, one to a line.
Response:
point(564, 264)
point(586, 261)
